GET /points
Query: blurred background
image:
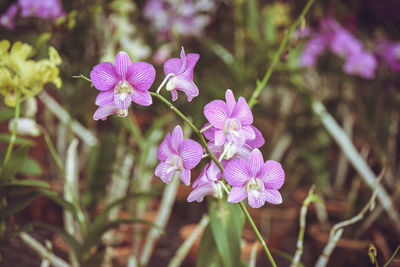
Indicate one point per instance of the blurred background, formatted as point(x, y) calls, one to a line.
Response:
point(345, 55)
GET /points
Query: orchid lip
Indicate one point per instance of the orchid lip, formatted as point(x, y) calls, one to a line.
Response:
point(254, 184)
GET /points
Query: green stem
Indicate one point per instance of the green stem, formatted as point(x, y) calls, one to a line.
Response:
point(261, 85)
point(14, 130)
point(260, 238)
point(392, 258)
point(52, 149)
point(204, 144)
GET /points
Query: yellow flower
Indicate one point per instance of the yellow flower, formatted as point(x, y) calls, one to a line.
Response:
point(21, 75)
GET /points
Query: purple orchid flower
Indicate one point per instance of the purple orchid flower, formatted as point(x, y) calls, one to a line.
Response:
point(181, 71)
point(207, 184)
point(7, 19)
point(255, 179)
point(121, 83)
point(177, 156)
point(47, 9)
point(230, 119)
point(341, 42)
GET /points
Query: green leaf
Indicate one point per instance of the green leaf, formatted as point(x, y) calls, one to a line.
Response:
point(30, 166)
point(19, 140)
point(226, 221)
point(208, 253)
point(54, 196)
point(97, 230)
point(36, 183)
point(72, 242)
point(6, 113)
point(18, 204)
point(14, 164)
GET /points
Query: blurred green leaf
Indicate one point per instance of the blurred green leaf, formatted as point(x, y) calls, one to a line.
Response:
point(18, 204)
point(13, 165)
point(226, 221)
point(30, 166)
point(6, 114)
point(208, 253)
point(19, 140)
point(29, 182)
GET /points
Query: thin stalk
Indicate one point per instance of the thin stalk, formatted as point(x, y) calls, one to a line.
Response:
point(14, 130)
point(392, 258)
point(260, 238)
point(52, 149)
point(261, 85)
point(303, 214)
point(163, 82)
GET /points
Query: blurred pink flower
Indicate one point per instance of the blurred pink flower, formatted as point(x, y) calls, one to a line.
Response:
point(7, 19)
point(47, 9)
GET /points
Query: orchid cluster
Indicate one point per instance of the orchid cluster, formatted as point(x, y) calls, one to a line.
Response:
point(233, 141)
point(23, 76)
point(341, 42)
point(46, 9)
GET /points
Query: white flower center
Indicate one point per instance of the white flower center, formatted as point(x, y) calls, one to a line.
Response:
point(255, 184)
point(232, 126)
point(175, 163)
point(123, 89)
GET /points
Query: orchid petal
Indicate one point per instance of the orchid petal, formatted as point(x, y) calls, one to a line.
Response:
point(258, 141)
point(202, 190)
point(164, 150)
point(256, 160)
point(235, 173)
point(104, 111)
point(121, 64)
point(237, 194)
point(104, 77)
point(185, 176)
point(230, 101)
point(186, 85)
point(216, 113)
point(272, 174)
point(141, 98)
point(163, 170)
point(105, 98)
point(176, 138)
point(273, 196)
point(219, 138)
point(190, 152)
point(242, 112)
point(256, 198)
point(173, 65)
point(141, 75)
